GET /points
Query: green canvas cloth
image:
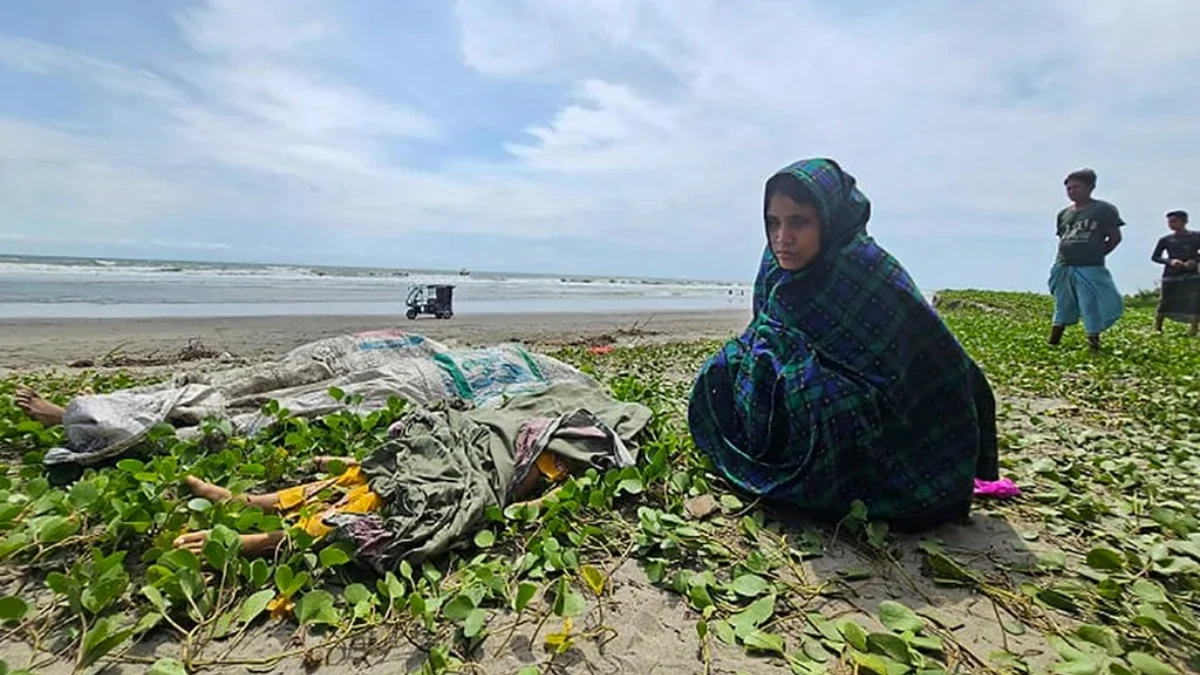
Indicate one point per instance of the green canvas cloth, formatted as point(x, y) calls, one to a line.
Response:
point(438, 478)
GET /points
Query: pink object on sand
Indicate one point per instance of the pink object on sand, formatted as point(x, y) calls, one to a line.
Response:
point(1000, 489)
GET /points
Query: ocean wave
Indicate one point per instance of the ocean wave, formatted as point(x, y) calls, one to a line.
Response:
point(55, 281)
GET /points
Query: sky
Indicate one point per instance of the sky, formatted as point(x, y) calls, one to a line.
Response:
point(628, 137)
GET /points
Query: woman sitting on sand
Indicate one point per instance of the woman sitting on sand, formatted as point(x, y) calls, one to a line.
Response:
point(847, 385)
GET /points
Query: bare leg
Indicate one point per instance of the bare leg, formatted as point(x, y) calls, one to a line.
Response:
point(39, 408)
point(1195, 327)
point(322, 461)
point(268, 502)
point(216, 493)
point(1158, 324)
point(252, 544)
point(1056, 334)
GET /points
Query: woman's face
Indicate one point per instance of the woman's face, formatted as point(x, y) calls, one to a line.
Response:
point(794, 232)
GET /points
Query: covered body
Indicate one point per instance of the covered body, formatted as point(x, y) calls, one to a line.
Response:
point(374, 367)
point(446, 467)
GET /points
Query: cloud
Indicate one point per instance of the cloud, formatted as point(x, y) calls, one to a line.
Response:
point(647, 124)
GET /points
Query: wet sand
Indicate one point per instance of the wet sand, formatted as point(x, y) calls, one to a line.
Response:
point(61, 342)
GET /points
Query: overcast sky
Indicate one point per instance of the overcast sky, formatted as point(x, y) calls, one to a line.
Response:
point(587, 136)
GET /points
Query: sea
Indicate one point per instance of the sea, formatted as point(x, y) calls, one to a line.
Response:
point(33, 287)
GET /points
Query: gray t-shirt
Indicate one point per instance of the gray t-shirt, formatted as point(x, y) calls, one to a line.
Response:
point(1082, 233)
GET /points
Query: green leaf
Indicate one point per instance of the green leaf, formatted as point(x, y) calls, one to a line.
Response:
point(13, 608)
point(167, 666)
point(858, 511)
point(84, 494)
point(104, 636)
point(155, 597)
point(889, 645)
point(390, 587)
point(814, 651)
point(927, 644)
point(723, 631)
point(761, 641)
point(214, 554)
point(1105, 559)
point(947, 570)
point(1083, 666)
point(1148, 591)
point(525, 592)
point(1056, 599)
point(1148, 665)
point(1101, 637)
point(700, 597)
point(899, 617)
point(334, 556)
point(356, 593)
point(199, 505)
point(871, 662)
point(567, 602)
point(255, 605)
point(750, 585)
point(474, 623)
point(753, 616)
point(316, 607)
point(731, 503)
point(855, 636)
point(824, 626)
point(750, 525)
point(131, 466)
point(259, 572)
point(485, 539)
point(1053, 560)
point(288, 582)
point(632, 486)
point(55, 529)
point(458, 608)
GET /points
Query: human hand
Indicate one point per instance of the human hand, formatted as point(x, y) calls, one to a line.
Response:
point(1175, 264)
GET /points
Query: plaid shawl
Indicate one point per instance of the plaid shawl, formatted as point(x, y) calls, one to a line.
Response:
point(846, 385)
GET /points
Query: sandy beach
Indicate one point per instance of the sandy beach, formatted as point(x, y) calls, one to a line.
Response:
point(636, 623)
point(45, 343)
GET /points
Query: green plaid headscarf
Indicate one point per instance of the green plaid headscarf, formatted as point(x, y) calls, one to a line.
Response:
point(847, 385)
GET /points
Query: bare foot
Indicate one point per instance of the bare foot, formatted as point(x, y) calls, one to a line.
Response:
point(322, 461)
point(213, 493)
point(39, 408)
point(252, 544)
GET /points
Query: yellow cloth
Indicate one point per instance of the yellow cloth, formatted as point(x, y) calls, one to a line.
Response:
point(552, 466)
point(359, 499)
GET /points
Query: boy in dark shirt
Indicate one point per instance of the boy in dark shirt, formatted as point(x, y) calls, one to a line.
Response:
point(1082, 286)
point(1179, 254)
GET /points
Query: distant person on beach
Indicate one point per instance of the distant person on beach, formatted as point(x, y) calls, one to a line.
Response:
point(1179, 254)
point(846, 386)
point(1088, 230)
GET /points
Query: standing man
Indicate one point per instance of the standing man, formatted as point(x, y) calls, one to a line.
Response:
point(1178, 253)
point(1088, 230)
